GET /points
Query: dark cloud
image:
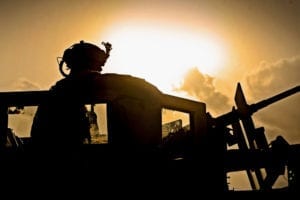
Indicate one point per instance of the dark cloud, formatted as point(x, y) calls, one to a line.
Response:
point(201, 87)
point(282, 117)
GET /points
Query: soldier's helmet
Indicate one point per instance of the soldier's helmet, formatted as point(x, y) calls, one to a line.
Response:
point(84, 56)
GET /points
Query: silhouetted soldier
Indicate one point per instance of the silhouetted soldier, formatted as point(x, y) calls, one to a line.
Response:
point(61, 124)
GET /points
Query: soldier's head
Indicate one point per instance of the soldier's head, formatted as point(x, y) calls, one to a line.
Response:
point(84, 56)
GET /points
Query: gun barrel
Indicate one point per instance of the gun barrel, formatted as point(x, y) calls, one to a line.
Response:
point(234, 115)
point(257, 106)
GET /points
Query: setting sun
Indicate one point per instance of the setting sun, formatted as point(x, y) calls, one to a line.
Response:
point(163, 56)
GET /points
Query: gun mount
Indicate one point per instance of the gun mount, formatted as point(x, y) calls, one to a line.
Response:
point(254, 153)
point(138, 116)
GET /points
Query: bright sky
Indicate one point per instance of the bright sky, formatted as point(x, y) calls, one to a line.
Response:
point(202, 48)
point(162, 56)
point(221, 38)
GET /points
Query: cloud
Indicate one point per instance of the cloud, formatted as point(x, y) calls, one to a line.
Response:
point(282, 117)
point(269, 79)
point(21, 123)
point(24, 84)
point(201, 87)
point(19, 84)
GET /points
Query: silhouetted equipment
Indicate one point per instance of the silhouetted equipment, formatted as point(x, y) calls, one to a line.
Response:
point(134, 122)
point(94, 127)
point(271, 159)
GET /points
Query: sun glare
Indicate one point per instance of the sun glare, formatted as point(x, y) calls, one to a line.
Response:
point(162, 57)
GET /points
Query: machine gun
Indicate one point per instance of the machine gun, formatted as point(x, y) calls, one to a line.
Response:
point(254, 154)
